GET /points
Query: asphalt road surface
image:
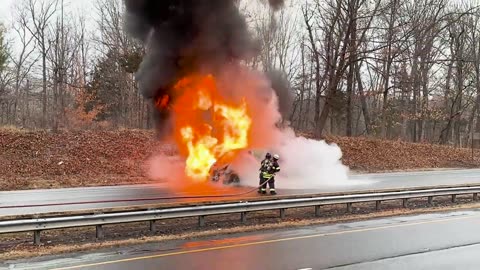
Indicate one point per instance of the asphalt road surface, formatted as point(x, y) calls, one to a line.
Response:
point(434, 241)
point(13, 199)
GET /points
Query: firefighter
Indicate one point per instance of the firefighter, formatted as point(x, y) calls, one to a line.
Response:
point(275, 168)
point(268, 175)
point(264, 167)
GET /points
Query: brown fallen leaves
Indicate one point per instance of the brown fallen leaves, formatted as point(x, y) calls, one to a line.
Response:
point(86, 153)
point(373, 155)
point(40, 159)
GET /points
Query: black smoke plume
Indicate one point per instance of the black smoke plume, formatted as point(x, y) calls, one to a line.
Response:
point(276, 4)
point(281, 86)
point(182, 36)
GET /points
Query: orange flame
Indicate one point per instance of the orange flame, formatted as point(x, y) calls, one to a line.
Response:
point(162, 102)
point(207, 125)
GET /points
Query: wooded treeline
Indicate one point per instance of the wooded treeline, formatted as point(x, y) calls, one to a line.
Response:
point(65, 72)
point(393, 69)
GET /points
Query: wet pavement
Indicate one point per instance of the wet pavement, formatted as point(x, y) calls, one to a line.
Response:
point(447, 240)
point(84, 197)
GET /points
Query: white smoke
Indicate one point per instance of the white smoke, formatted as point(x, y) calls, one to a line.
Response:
point(310, 163)
point(167, 168)
point(304, 163)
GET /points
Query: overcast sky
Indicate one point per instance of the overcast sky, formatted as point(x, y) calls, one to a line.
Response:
point(84, 7)
point(6, 8)
point(87, 8)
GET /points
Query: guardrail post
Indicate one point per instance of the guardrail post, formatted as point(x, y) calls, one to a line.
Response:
point(243, 217)
point(201, 221)
point(36, 237)
point(405, 203)
point(378, 205)
point(317, 210)
point(152, 226)
point(475, 196)
point(282, 213)
point(99, 232)
point(454, 198)
point(349, 207)
point(430, 200)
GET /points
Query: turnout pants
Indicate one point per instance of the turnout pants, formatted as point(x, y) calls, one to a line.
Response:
point(264, 181)
point(271, 184)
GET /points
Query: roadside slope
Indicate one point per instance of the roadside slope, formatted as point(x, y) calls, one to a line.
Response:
point(373, 155)
point(38, 159)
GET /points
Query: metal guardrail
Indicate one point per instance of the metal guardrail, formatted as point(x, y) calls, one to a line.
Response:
point(40, 224)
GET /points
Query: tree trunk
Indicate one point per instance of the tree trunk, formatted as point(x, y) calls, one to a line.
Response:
point(306, 124)
point(55, 100)
point(476, 142)
point(351, 73)
point(445, 134)
point(44, 87)
point(387, 68)
point(415, 88)
point(318, 91)
point(302, 90)
point(363, 100)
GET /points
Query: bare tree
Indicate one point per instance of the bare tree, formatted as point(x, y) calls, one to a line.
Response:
point(337, 22)
point(39, 18)
point(23, 63)
point(61, 57)
point(474, 29)
point(389, 57)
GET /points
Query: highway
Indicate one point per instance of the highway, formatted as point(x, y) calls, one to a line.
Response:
point(448, 240)
point(10, 201)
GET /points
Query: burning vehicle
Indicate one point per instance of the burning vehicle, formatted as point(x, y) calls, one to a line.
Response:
point(224, 172)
